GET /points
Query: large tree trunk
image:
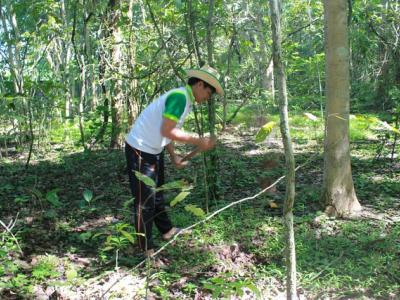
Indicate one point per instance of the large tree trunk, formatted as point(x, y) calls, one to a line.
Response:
point(280, 80)
point(338, 189)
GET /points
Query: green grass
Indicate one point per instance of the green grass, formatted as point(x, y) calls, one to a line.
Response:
point(303, 128)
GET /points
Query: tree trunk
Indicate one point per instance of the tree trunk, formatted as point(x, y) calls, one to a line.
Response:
point(213, 158)
point(132, 103)
point(13, 52)
point(265, 65)
point(280, 80)
point(81, 106)
point(228, 70)
point(13, 44)
point(338, 189)
point(383, 80)
point(193, 33)
point(66, 57)
point(118, 97)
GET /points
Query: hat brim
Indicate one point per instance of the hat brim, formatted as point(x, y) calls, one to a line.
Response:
point(207, 77)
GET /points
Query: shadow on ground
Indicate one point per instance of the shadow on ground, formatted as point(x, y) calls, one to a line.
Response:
point(357, 255)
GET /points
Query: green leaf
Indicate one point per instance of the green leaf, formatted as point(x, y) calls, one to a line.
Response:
point(265, 131)
point(98, 197)
point(179, 198)
point(52, 197)
point(97, 235)
point(37, 194)
point(253, 288)
point(50, 214)
point(71, 274)
point(121, 226)
point(178, 184)
point(88, 195)
point(108, 248)
point(21, 199)
point(145, 179)
point(84, 237)
point(128, 236)
point(197, 211)
point(217, 292)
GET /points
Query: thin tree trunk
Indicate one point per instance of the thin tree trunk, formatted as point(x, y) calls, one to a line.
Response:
point(90, 74)
point(81, 106)
point(80, 61)
point(210, 44)
point(213, 161)
point(30, 122)
point(265, 65)
point(280, 80)
point(132, 99)
point(118, 97)
point(384, 74)
point(193, 33)
point(338, 189)
point(66, 55)
point(228, 70)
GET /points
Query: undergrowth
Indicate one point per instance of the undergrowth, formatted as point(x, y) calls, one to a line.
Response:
point(75, 223)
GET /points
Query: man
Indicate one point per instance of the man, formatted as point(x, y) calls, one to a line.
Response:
point(156, 128)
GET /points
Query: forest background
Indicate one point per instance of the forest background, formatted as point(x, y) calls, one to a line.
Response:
point(74, 76)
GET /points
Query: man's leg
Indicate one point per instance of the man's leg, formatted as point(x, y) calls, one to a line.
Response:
point(161, 218)
point(144, 195)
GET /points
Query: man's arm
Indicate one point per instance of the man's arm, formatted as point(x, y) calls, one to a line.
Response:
point(171, 150)
point(169, 130)
point(175, 159)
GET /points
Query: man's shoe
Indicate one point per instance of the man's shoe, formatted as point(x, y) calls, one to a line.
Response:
point(170, 234)
point(173, 232)
point(149, 253)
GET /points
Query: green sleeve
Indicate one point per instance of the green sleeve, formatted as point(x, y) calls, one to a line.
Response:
point(174, 106)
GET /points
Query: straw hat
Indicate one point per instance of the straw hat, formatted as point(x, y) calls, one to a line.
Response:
point(208, 75)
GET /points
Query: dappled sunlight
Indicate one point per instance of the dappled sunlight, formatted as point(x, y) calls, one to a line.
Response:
point(244, 242)
point(95, 223)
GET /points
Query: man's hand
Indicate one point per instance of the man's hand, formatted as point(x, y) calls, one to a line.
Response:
point(179, 163)
point(169, 130)
point(206, 143)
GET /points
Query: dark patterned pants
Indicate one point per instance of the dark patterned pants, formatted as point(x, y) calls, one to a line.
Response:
point(149, 206)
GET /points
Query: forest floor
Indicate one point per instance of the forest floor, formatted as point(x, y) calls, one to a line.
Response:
point(69, 248)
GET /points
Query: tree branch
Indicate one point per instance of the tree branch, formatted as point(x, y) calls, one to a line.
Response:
point(8, 229)
point(170, 59)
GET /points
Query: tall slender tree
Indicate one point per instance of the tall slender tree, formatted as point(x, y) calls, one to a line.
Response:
point(213, 159)
point(338, 189)
point(280, 82)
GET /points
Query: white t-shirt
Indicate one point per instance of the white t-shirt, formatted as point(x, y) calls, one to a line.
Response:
point(145, 134)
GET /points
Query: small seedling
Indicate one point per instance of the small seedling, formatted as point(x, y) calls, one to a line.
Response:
point(88, 199)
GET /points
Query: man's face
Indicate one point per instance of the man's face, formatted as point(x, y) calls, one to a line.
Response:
point(202, 92)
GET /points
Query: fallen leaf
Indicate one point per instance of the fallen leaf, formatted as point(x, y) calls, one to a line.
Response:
point(272, 204)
